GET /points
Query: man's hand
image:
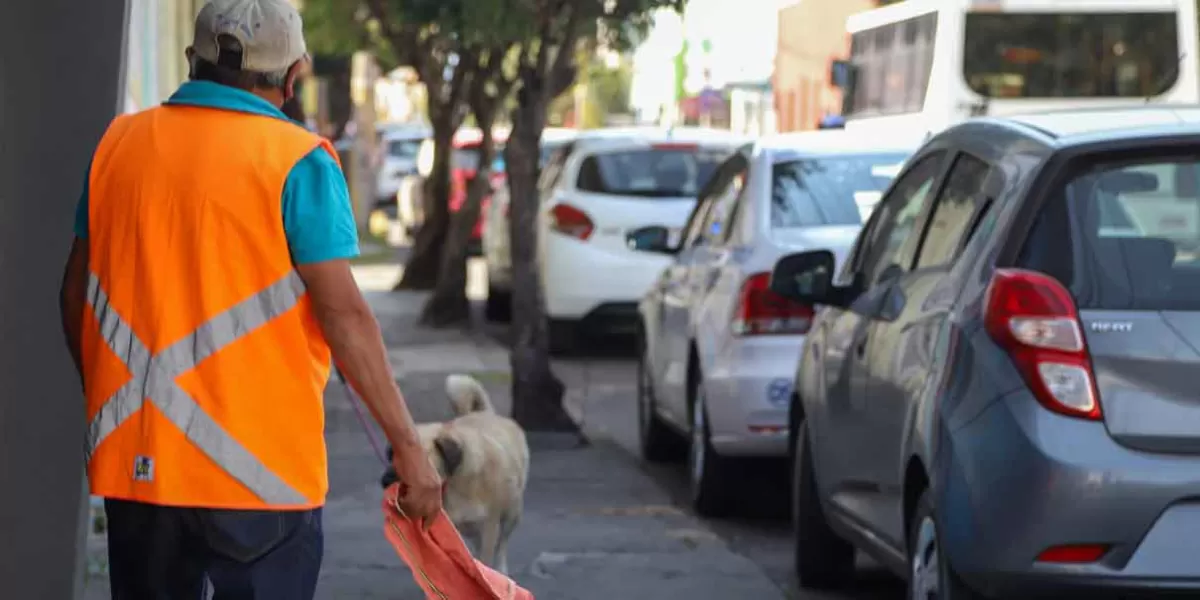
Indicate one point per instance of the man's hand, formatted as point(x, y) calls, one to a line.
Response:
point(420, 485)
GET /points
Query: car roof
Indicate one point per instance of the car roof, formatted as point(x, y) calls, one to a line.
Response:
point(1061, 128)
point(392, 130)
point(559, 134)
point(639, 137)
point(831, 141)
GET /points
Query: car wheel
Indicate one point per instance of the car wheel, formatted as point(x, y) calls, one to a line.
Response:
point(709, 475)
point(823, 560)
point(564, 337)
point(658, 442)
point(498, 306)
point(930, 576)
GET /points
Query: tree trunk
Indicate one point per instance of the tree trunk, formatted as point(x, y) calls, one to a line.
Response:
point(537, 393)
point(449, 305)
point(421, 269)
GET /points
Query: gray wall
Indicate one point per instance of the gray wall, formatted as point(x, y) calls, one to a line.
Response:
point(60, 65)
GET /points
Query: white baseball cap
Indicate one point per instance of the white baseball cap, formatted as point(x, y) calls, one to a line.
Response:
point(270, 32)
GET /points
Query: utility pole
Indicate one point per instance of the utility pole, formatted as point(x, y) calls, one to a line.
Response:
point(363, 74)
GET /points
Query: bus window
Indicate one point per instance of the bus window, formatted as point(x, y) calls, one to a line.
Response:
point(1071, 55)
point(892, 65)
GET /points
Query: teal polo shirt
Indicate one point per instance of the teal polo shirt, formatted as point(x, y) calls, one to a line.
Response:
point(317, 215)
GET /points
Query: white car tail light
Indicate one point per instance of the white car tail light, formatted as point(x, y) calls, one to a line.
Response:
point(1033, 317)
point(763, 312)
point(571, 222)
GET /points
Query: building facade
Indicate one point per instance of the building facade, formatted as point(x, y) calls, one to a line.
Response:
point(812, 34)
point(158, 33)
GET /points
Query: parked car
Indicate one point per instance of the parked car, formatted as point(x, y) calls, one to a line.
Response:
point(997, 397)
point(464, 162)
point(496, 250)
point(611, 184)
point(398, 149)
point(718, 348)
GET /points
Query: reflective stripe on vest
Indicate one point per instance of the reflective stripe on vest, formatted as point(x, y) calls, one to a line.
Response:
point(154, 380)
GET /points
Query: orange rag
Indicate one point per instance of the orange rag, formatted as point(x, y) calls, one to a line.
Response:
point(439, 559)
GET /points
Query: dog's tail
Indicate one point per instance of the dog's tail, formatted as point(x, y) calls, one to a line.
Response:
point(467, 395)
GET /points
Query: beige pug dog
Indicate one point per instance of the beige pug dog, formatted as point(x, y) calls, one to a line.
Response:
point(484, 460)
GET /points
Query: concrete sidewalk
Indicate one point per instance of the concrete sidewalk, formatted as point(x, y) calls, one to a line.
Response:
point(596, 526)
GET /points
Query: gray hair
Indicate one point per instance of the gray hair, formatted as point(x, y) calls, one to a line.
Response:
point(202, 69)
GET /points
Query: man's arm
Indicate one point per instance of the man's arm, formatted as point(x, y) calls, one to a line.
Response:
point(72, 300)
point(358, 350)
point(322, 235)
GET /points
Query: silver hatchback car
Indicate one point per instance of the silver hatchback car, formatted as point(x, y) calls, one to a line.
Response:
point(997, 396)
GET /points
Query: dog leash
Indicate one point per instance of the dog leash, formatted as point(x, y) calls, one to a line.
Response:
point(356, 404)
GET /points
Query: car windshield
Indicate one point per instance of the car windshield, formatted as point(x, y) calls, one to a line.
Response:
point(673, 171)
point(1125, 236)
point(1071, 55)
point(831, 190)
point(407, 149)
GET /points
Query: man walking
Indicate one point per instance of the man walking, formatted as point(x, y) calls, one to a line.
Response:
point(206, 292)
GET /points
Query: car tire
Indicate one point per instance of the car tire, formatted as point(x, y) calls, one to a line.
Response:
point(498, 306)
point(564, 337)
point(822, 559)
point(710, 476)
point(657, 441)
point(929, 571)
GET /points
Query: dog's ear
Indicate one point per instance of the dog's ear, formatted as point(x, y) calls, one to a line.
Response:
point(451, 451)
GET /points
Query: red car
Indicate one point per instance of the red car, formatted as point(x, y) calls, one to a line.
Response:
point(463, 164)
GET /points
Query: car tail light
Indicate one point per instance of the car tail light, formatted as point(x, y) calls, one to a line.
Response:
point(571, 221)
point(1033, 317)
point(761, 311)
point(1073, 554)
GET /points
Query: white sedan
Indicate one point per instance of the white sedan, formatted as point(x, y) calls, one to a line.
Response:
point(718, 347)
point(593, 202)
point(496, 250)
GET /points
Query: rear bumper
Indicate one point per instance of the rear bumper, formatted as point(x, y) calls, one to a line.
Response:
point(748, 395)
point(613, 318)
point(1061, 481)
point(578, 277)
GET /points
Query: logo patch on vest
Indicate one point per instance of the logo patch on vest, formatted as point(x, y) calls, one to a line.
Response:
point(143, 469)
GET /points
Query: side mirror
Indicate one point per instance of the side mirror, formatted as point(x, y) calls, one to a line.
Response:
point(841, 72)
point(806, 277)
point(654, 238)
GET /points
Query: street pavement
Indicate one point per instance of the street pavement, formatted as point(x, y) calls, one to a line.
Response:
point(598, 523)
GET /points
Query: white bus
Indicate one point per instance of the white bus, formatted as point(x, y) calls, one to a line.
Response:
point(919, 66)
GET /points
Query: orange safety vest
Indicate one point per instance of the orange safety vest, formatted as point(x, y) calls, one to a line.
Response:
point(204, 367)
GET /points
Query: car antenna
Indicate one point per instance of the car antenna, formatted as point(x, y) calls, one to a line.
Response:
point(1169, 75)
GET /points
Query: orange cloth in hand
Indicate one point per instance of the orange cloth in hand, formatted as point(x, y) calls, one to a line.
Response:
point(439, 559)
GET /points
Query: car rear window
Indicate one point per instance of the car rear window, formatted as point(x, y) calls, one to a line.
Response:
point(1124, 236)
point(834, 190)
point(658, 172)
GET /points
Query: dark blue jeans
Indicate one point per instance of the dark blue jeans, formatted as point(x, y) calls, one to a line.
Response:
point(166, 553)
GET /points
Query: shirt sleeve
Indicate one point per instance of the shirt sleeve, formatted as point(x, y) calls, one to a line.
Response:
point(81, 209)
point(317, 216)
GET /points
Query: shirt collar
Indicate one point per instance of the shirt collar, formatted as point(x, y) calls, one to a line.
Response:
point(208, 94)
